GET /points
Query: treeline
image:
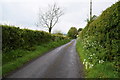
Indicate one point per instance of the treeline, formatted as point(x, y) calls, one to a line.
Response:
point(100, 41)
point(14, 38)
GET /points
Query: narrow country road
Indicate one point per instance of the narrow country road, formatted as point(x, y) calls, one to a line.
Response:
point(62, 62)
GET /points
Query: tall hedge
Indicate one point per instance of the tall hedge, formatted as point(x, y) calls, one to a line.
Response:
point(14, 37)
point(101, 38)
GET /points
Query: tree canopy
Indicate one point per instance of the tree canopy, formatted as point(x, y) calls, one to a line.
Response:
point(72, 32)
point(80, 29)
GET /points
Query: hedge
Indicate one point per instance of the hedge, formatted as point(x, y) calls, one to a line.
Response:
point(101, 38)
point(14, 38)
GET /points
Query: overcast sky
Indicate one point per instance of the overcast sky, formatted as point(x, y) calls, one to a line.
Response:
point(23, 13)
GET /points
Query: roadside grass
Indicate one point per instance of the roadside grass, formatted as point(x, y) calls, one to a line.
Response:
point(103, 70)
point(17, 58)
point(81, 54)
point(98, 70)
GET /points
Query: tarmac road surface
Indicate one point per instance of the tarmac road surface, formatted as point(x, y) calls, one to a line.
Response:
point(62, 62)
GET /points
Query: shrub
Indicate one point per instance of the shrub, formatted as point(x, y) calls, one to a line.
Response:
point(14, 38)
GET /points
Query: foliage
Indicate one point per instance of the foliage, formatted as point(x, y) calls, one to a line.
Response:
point(16, 58)
point(100, 40)
point(80, 29)
point(103, 70)
point(14, 38)
point(94, 17)
point(22, 45)
point(72, 32)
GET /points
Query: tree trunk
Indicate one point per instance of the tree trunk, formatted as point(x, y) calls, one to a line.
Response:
point(50, 29)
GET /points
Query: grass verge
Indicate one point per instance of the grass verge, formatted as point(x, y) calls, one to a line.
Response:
point(17, 58)
point(98, 70)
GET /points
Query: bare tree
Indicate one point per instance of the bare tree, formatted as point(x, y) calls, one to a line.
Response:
point(50, 17)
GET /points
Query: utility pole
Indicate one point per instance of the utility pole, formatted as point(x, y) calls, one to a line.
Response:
point(90, 9)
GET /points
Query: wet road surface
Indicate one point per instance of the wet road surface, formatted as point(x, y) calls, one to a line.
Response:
point(62, 62)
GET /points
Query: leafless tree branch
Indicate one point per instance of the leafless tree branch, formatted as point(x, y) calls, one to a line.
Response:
point(50, 17)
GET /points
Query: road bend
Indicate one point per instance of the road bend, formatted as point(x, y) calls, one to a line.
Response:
point(62, 62)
